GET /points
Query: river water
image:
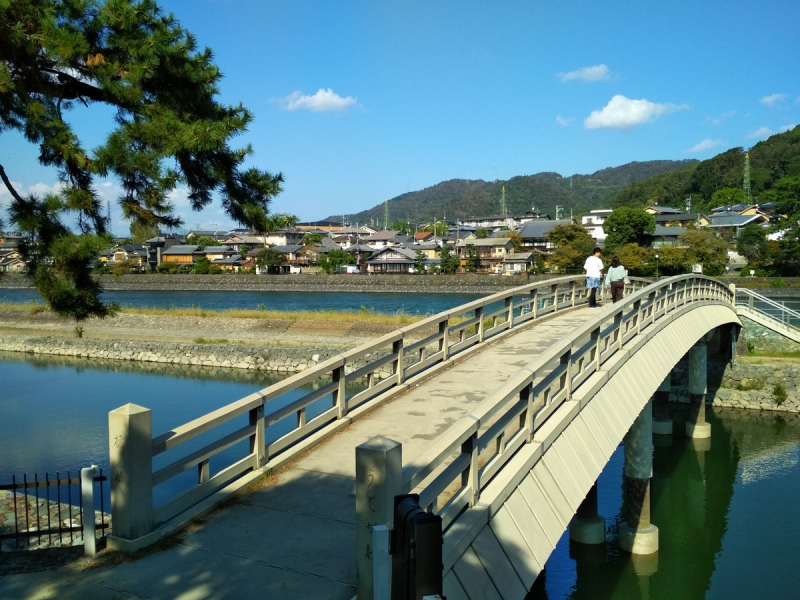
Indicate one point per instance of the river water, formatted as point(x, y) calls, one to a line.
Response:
point(387, 303)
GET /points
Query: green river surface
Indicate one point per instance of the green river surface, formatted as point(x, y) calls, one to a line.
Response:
point(726, 512)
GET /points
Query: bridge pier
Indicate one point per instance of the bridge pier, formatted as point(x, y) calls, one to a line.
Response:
point(588, 527)
point(637, 534)
point(662, 424)
point(696, 426)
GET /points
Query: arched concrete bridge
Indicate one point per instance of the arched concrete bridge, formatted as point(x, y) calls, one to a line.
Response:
point(500, 414)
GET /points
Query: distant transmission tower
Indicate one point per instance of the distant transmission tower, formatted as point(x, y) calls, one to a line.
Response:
point(746, 184)
point(503, 202)
point(386, 214)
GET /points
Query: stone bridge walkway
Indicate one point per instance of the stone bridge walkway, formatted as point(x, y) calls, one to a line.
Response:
point(295, 536)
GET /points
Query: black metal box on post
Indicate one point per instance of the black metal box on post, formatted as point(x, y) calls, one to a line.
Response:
point(416, 550)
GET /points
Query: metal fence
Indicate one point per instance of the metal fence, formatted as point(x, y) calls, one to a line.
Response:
point(767, 307)
point(54, 511)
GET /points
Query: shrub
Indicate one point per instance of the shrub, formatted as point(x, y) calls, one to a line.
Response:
point(778, 283)
point(779, 393)
point(750, 384)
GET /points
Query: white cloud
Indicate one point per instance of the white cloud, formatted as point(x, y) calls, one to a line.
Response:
point(588, 74)
point(723, 117)
point(322, 101)
point(564, 121)
point(625, 114)
point(706, 144)
point(761, 132)
point(773, 99)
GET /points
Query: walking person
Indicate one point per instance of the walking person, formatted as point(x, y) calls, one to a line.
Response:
point(615, 279)
point(594, 275)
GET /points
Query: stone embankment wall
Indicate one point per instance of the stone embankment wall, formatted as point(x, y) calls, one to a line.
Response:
point(752, 383)
point(282, 359)
point(431, 284)
point(755, 336)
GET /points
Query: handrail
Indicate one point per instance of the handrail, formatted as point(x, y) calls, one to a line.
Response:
point(517, 413)
point(280, 425)
point(748, 298)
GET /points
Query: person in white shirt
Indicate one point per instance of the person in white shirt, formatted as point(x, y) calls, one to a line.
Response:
point(594, 275)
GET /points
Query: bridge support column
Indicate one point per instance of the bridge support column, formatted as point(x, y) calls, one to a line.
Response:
point(662, 424)
point(637, 534)
point(696, 426)
point(379, 477)
point(587, 527)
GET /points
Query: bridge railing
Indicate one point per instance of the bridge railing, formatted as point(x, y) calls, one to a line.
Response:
point(270, 427)
point(451, 475)
point(766, 306)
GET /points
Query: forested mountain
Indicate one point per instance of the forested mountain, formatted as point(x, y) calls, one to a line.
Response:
point(462, 198)
point(770, 160)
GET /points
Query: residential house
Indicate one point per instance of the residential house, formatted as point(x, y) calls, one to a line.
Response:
point(219, 253)
point(423, 236)
point(679, 219)
point(729, 223)
point(233, 262)
point(593, 222)
point(237, 241)
point(534, 233)
point(134, 254)
point(155, 246)
point(182, 255)
point(429, 249)
point(385, 239)
point(392, 260)
point(493, 221)
point(11, 261)
point(284, 237)
point(491, 252)
point(216, 235)
point(516, 263)
point(663, 236)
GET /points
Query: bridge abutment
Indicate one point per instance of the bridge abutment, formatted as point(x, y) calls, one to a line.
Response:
point(637, 534)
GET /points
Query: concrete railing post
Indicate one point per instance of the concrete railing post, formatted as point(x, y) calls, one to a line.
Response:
point(87, 506)
point(130, 441)
point(379, 478)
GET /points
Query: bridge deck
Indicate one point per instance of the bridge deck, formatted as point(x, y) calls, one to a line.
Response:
point(295, 536)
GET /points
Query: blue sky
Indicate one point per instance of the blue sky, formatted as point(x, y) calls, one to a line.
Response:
point(359, 101)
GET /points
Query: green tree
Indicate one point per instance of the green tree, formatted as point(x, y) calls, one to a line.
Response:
point(626, 225)
point(752, 244)
point(334, 259)
point(279, 221)
point(270, 259)
point(439, 228)
point(482, 234)
point(312, 238)
point(419, 262)
point(705, 248)
point(517, 239)
point(785, 253)
point(638, 260)
point(567, 257)
point(574, 235)
point(204, 241)
point(672, 260)
point(448, 262)
point(141, 232)
point(402, 226)
point(168, 130)
point(472, 262)
point(728, 196)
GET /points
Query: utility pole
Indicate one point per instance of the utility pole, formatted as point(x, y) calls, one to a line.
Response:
point(559, 210)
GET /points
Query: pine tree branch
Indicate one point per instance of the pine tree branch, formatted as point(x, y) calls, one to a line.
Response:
point(8, 185)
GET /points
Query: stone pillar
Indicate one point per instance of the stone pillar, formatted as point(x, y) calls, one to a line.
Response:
point(662, 424)
point(379, 477)
point(587, 527)
point(130, 442)
point(696, 426)
point(637, 535)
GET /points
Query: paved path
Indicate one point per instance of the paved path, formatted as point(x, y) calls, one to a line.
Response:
point(296, 538)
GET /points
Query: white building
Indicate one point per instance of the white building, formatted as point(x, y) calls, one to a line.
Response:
point(593, 222)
